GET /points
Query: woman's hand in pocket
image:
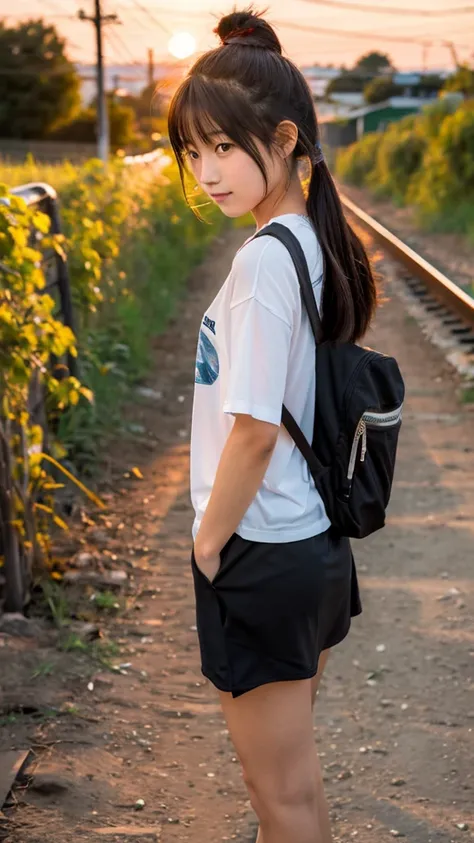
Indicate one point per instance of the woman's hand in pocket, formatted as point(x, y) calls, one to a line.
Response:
point(209, 564)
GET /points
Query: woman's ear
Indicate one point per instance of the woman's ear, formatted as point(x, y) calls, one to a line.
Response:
point(286, 138)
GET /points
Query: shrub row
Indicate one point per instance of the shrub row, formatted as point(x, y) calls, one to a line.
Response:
point(424, 160)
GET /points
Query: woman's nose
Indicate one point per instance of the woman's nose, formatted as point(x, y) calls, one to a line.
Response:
point(209, 172)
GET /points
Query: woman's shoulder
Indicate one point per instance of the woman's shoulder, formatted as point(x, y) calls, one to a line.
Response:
point(257, 250)
point(264, 265)
point(270, 250)
point(263, 270)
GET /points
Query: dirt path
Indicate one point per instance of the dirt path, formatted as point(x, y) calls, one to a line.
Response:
point(396, 713)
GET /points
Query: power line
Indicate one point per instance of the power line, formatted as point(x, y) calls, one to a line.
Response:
point(393, 10)
point(24, 16)
point(132, 18)
point(366, 36)
point(151, 16)
point(162, 10)
point(113, 36)
point(55, 8)
point(304, 27)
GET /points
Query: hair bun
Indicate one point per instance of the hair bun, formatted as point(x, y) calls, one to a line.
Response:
point(248, 27)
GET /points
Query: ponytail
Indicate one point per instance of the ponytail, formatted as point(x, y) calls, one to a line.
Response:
point(349, 291)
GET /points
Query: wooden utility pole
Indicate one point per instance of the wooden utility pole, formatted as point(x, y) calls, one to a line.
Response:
point(151, 68)
point(98, 19)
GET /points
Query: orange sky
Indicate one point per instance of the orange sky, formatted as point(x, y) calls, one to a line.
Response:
point(141, 29)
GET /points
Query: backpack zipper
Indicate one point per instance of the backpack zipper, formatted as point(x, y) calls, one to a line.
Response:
point(371, 418)
point(361, 433)
point(375, 419)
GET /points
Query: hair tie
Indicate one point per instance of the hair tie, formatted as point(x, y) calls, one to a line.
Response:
point(319, 157)
point(237, 35)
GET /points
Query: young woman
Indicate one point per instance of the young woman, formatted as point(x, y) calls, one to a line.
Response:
point(275, 585)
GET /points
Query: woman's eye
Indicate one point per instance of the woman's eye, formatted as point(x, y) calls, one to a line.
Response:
point(192, 155)
point(224, 147)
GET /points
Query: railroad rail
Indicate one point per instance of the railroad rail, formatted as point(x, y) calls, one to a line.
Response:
point(441, 288)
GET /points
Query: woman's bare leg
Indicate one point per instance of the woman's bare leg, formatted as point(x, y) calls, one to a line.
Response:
point(323, 810)
point(271, 728)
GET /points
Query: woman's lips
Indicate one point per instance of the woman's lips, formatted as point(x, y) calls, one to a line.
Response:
point(220, 197)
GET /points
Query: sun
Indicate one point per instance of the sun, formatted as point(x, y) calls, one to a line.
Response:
point(182, 45)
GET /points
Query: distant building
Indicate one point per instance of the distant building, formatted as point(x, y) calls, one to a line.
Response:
point(345, 100)
point(342, 131)
point(127, 78)
point(318, 78)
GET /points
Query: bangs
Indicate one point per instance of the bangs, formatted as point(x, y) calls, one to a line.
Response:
point(195, 116)
point(203, 107)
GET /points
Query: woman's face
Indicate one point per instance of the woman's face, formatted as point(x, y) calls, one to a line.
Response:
point(231, 177)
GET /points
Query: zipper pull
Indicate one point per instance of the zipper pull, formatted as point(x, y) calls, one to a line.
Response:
point(364, 441)
point(360, 433)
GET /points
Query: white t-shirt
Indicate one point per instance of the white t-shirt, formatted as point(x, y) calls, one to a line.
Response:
point(255, 353)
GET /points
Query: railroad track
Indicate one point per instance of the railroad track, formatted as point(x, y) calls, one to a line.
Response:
point(439, 295)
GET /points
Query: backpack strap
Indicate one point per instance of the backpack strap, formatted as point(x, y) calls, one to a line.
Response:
point(284, 235)
point(315, 466)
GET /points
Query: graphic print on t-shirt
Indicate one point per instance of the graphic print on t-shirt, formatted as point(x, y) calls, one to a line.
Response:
point(207, 361)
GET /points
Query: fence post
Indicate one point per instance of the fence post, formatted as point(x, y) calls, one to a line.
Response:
point(63, 281)
point(14, 580)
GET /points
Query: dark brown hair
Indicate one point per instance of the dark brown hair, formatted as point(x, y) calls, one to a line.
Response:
point(246, 88)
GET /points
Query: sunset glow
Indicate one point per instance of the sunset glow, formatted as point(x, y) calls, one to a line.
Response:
point(182, 45)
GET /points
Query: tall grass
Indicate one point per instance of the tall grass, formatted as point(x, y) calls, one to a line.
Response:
point(58, 175)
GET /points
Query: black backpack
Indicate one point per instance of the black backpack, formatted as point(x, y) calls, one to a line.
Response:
point(358, 415)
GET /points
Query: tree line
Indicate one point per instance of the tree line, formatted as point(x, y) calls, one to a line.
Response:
point(375, 76)
point(40, 93)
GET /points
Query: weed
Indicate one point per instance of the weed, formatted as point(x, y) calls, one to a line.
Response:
point(467, 395)
point(8, 719)
point(57, 602)
point(74, 642)
point(43, 669)
point(105, 600)
point(99, 650)
point(104, 652)
point(69, 708)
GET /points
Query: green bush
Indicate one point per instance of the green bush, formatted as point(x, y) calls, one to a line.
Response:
point(355, 163)
point(132, 242)
point(461, 82)
point(431, 119)
point(83, 128)
point(443, 191)
point(30, 336)
point(380, 89)
point(425, 160)
point(398, 158)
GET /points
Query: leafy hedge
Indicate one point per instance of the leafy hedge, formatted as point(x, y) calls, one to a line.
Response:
point(130, 242)
point(29, 336)
point(425, 160)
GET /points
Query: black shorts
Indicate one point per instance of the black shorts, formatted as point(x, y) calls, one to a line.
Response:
point(272, 608)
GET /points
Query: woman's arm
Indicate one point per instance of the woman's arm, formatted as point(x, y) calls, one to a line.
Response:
point(240, 472)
